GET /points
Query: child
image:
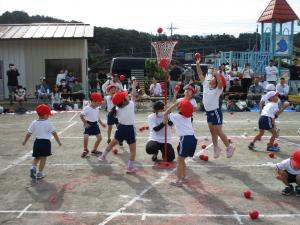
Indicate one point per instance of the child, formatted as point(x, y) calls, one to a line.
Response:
point(156, 141)
point(288, 171)
point(20, 95)
point(111, 120)
point(189, 91)
point(43, 129)
point(124, 111)
point(267, 120)
point(212, 90)
point(90, 118)
point(185, 131)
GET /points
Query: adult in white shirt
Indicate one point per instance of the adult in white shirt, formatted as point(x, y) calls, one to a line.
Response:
point(155, 88)
point(156, 141)
point(115, 81)
point(283, 89)
point(233, 72)
point(271, 73)
point(60, 76)
point(247, 76)
point(212, 90)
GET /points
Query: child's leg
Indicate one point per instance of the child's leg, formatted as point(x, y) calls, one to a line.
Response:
point(180, 168)
point(42, 163)
point(184, 169)
point(85, 141)
point(214, 134)
point(35, 161)
point(283, 176)
point(108, 149)
point(221, 134)
point(132, 149)
point(97, 142)
point(298, 180)
point(258, 135)
point(273, 137)
point(109, 129)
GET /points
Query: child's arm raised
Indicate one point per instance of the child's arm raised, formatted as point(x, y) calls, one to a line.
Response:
point(27, 136)
point(285, 105)
point(199, 71)
point(175, 95)
point(217, 75)
point(56, 138)
point(133, 94)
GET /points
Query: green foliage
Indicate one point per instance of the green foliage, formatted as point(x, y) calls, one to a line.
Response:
point(152, 70)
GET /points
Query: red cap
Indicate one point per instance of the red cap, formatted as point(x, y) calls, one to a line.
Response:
point(190, 87)
point(109, 87)
point(119, 97)
point(186, 108)
point(295, 159)
point(96, 97)
point(43, 109)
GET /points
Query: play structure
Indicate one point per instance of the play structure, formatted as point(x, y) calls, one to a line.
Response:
point(277, 28)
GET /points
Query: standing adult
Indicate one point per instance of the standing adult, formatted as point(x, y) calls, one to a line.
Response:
point(12, 81)
point(271, 73)
point(295, 76)
point(115, 80)
point(188, 74)
point(61, 75)
point(247, 76)
point(175, 75)
point(283, 89)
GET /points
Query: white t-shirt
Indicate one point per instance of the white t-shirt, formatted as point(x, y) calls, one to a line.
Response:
point(271, 73)
point(155, 89)
point(91, 114)
point(234, 73)
point(182, 124)
point(282, 89)
point(286, 165)
point(192, 100)
point(270, 109)
point(211, 96)
point(109, 103)
point(59, 77)
point(126, 114)
point(111, 82)
point(247, 73)
point(159, 136)
point(42, 129)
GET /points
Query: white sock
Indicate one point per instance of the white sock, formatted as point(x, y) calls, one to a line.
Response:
point(130, 163)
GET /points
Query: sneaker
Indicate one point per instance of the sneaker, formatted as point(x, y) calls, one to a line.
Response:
point(176, 183)
point(96, 152)
point(33, 172)
point(297, 191)
point(230, 150)
point(288, 190)
point(273, 149)
point(131, 169)
point(102, 158)
point(251, 146)
point(217, 152)
point(84, 153)
point(40, 175)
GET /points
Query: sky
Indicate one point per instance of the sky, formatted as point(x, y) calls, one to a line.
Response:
point(191, 17)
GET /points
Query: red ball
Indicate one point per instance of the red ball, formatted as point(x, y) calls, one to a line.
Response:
point(197, 56)
point(201, 157)
point(164, 63)
point(271, 155)
point(229, 140)
point(159, 30)
point(247, 194)
point(122, 77)
point(275, 145)
point(177, 87)
point(141, 129)
point(231, 113)
point(146, 127)
point(203, 146)
point(115, 151)
point(205, 158)
point(253, 214)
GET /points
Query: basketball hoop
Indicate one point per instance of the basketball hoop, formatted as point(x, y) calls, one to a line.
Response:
point(164, 51)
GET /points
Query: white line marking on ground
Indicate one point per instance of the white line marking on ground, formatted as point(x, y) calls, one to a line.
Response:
point(28, 154)
point(70, 120)
point(24, 211)
point(237, 217)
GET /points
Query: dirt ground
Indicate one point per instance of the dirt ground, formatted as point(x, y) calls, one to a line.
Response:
point(86, 191)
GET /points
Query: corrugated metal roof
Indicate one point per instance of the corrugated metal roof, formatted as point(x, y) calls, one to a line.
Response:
point(46, 30)
point(278, 11)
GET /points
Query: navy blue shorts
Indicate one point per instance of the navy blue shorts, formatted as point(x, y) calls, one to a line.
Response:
point(187, 146)
point(93, 129)
point(215, 117)
point(41, 148)
point(125, 132)
point(111, 120)
point(265, 123)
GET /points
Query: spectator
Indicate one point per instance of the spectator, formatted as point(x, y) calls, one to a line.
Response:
point(56, 99)
point(295, 76)
point(114, 81)
point(138, 90)
point(247, 75)
point(20, 95)
point(233, 72)
point(283, 89)
point(70, 79)
point(43, 90)
point(155, 88)
point(93, 81)
point(174, 77)
point(12, 81)
point(222, 71)
point(188, 74)
point(255, 91)
point(271, 73)
point(60, 76)
point(236, 91)
point(65, 90)
point(77, 92)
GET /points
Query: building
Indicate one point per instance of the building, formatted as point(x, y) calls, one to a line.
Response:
point(42, 50)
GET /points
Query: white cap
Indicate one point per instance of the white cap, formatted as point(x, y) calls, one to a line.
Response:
point(270, 94)
point(270, 87)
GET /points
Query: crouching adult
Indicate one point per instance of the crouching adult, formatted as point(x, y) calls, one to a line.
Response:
point(156, 141)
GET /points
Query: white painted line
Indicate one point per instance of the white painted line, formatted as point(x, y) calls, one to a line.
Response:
point(237, 217)
point(70, 120)
point(24, 211)
point(28, 154)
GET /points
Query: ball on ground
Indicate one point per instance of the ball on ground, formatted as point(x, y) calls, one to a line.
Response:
point(254, 214)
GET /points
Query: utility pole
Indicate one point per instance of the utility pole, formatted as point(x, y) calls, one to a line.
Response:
point(171, 29)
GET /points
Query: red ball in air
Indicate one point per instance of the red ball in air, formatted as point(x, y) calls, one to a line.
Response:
point(159, 30)
point(122, 77)
point(247, 194)
point(177, 87)
point(197, 56)
point(254, 214)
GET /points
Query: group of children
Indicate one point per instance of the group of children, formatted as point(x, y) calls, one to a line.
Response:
point(121, 112)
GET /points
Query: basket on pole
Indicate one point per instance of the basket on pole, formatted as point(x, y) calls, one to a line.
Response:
point(164, 51)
